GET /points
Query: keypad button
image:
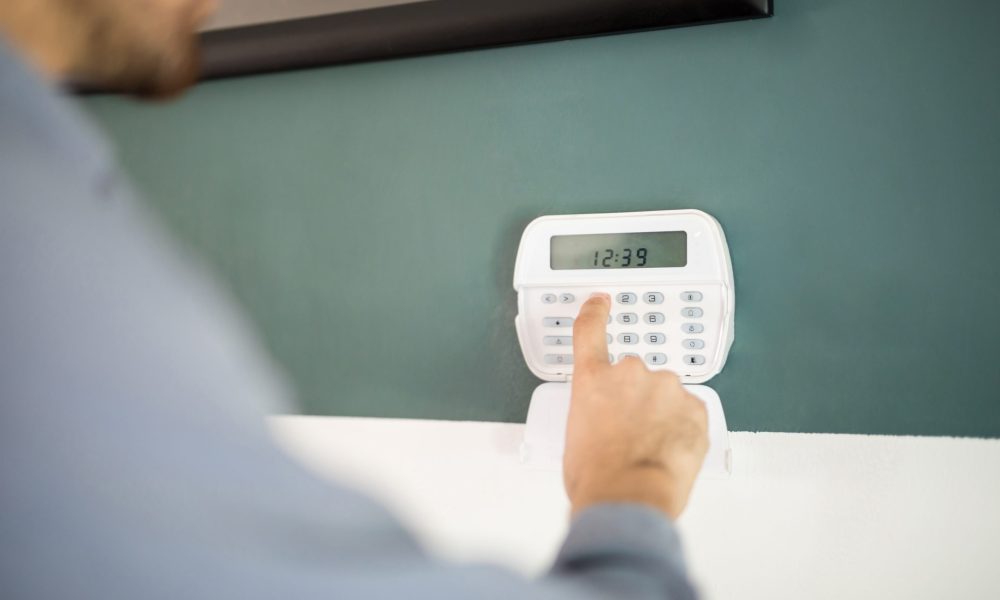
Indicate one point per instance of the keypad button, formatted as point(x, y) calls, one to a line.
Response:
point(611, 357)
point(694, 359)
point(558, 359)
point(625, 355)
point(692, 328)
point(654, 318)
point(557, 321)
point(628, 318)
point(691, 312)
point(557, 340)
point(691, 296)
point(626, 298)
point(693, 344)
point(653, 298)
point(608, 338)
point(548, 298)
point(655, 338)
point(567, 298)
point(628, 338)
point(656, 358)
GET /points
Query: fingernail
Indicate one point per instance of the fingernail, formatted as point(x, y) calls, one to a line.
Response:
point(602, 295)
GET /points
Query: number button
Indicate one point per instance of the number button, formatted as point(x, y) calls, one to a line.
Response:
point(558, 359)
point(654, 318)
point(653, 297)
point(692, 328)
point(625, 355)
point(694, 359)
point(628, 318)
point(627, 298)
point(628, 338)
point(692, 312)
point(557, 321)
point(607, 338)
point(566, 298)
point(548, 298)
point(655, 338)
point(557, 340)
point(656, 358)
point(691, 296)
point(694, 344)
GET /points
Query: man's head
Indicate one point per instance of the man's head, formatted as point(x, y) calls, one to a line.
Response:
point(143, 47)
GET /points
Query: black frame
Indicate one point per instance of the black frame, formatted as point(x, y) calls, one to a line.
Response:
point(446, 25)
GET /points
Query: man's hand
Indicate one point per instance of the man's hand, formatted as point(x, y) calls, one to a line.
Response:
point(633, 435)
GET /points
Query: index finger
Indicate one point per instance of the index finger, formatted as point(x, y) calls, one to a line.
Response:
point(590, 346)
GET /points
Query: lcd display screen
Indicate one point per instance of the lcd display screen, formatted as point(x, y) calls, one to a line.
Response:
point(641, 250)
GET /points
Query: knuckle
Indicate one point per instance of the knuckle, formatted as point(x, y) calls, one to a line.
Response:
point(589, 368)
point(696, 409)
point(632, 365)
point(669, 378)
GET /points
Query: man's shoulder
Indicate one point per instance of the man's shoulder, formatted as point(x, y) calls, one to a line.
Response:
point(45, 139)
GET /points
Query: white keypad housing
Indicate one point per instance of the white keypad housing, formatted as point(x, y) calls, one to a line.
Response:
point(676, 318)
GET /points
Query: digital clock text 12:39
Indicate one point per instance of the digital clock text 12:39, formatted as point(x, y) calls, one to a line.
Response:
point(611, 258)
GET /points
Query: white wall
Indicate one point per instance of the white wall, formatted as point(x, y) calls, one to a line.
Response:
point(804, 515)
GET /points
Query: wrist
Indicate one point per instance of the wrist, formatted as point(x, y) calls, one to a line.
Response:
point(648, 485)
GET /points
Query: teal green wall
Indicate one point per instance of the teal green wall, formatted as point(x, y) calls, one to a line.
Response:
point(368, 215)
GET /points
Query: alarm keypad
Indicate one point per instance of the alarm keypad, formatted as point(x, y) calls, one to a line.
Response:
point(628, 338)
point(558, 321)
point(656, 358)
point(654, 318)
point(669, 334)
point(558, 359)
point(655, 338)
